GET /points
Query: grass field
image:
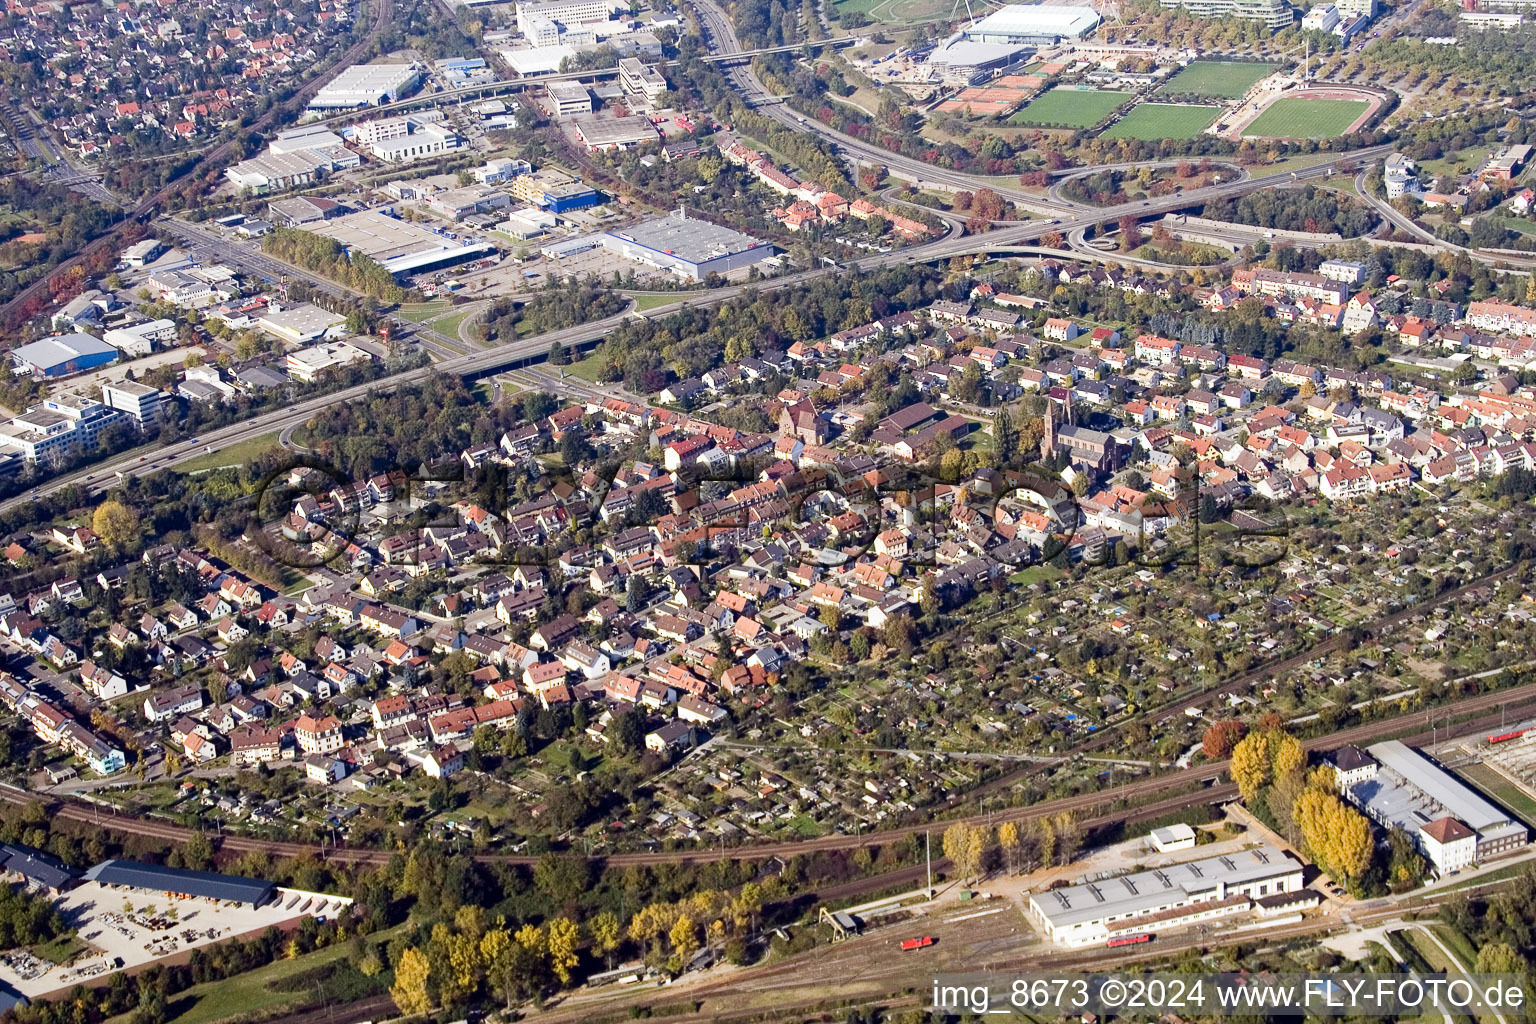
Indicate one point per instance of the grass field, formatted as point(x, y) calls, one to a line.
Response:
point(1296, 118)
point(1224, 79)
point(1154, 121)
point(645, 302)
point(234, 455)
point(1070, 108)
point(1501, 789)
point(586, 368)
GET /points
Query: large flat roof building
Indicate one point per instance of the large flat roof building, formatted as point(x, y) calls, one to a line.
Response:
point(692, 249)
point(401, 246)
point(180, 882)
point(1095, 911)
point(567, 99)
point(367, 85)
point(1034, 24)
point(1452, 825)
point(65, 354)
point(616, 132)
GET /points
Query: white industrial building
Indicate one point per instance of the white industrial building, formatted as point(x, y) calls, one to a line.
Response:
point(691, 249)
point(1451, 825)
point(308, 364)
point(302, 324)
point(269, 171)
point(400, 246)
point(367, 85)
point(139, 339)
point(1034, 25)
point(1172, 896)
point(402, 140)
point(566, 14)
point(537, 60)
point(640, 79)
point(315, 136)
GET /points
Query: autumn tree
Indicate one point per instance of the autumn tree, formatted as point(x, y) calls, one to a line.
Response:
point(606, 935)
point(1336, 835)
point(410, 988)
point(1008, 842)
point(564, 940)
point(1221, 737)
point(116, 524)
point(965, 845)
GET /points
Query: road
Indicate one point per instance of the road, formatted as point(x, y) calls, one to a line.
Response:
point(379, 20)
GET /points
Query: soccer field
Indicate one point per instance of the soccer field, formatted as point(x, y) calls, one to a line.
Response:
point(1296, 118)
point(1225, 79)
point(1070, 108)
point(1154, 121)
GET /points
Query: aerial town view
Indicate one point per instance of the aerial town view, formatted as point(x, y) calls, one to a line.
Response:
point(752, 511)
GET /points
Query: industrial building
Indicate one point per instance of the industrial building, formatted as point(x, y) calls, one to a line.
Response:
point(1275, 14)
point(532, 18)
point(308, 364)
point(267, 171)
point(1166, 897)
point(537, 60)
point(208, 885)
point(135, 340)
point(400, 246)
point(691, 249)
point(63, 355)
point(294, 140)
point(404, 139)
point(962, 61)
point(367, 85)
point(616, 132)
point(1033, 25)
point(566, 99)
point(1452, 826)
point(300, 325)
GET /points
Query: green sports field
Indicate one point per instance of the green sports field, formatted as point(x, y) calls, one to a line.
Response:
point(1297, 118)
point(1070, 108)
point(1217, 78)
point(1154, 121)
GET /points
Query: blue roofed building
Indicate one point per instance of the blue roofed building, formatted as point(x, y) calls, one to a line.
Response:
point(63, 355)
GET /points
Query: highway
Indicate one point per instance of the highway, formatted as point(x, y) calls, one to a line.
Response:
point(1020, 237)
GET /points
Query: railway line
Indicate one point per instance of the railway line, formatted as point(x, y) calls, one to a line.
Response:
point(1099, 807)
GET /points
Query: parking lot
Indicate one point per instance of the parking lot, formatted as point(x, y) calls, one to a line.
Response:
point(119, 939)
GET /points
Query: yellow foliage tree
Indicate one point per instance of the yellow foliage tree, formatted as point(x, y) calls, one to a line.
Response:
point(606, 934)
point(1336, 835)
point(563, 942)
point(965, 845)
point(1008, 841)
point(1251, 764)
point(684, 937)
point(115, 523)
point(410, 988)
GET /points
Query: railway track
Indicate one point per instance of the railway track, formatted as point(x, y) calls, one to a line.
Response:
point(1100, 806)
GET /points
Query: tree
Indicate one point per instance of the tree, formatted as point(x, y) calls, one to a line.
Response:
point(1008, 842)
point(1499, 958)
point(115, 523)
point(1005, 437)
point(410, 988)
point(563, 941)
point(1251, 767)
point(684, 937)
point(1221, 737)
point(965, 845)
point(606, 935)
point(1337, 836)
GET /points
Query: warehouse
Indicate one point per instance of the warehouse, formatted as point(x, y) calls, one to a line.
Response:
point(368, 85)
point(1452, 826)
point(1170, 896)
point(616, 132)
point(65, 354)
point(400, 246)
point(302, 324)
point(691, 249)
point(1034, 25)
point(208, 885)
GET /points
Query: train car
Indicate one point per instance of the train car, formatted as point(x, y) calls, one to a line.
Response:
point(1128, 940)
point(922, 943)
point(1505, 737)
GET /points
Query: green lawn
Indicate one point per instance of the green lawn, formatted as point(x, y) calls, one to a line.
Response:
point(249, 995)
point(1524, 225)
point(235, 455)
point(1297, 118)
point(1501, 789)
point(1070, 108)
point(645, 302)
point(586, 368)
point(1154, 121)
point(1223, 79)
point(421, 312)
